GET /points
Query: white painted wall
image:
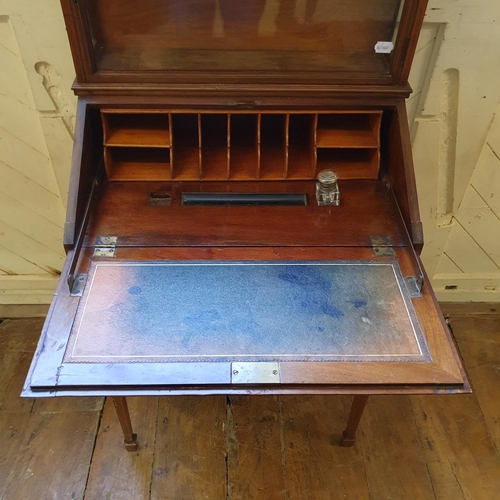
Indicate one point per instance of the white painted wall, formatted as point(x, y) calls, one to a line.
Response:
point(36, 116)
point(453, 117)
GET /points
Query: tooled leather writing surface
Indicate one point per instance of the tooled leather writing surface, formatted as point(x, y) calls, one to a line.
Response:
point(229, 311)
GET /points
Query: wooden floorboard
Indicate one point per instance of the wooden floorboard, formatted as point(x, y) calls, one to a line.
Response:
point(244, 448)
point(190, 449)
point(479, 340)
point(116, 474)
point(316, 467)
point(254, 448)
point(13, 367)
point(51, 456)
point(459, 453)
point(392, 451)
point(12, 429)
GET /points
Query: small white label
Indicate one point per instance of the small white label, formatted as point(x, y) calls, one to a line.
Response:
point(384, 47)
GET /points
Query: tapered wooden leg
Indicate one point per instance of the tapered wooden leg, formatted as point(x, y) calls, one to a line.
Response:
point(358, 405)
point(121, 407)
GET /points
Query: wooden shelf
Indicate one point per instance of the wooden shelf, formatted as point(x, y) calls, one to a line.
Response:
point(273, 149)
point(348, 130)
point(149, 130)
point(214, 166)
point(301, 151)
point(272, 162)
point(128, 171)
point(137, 164)
point(300, 163)
point(345, 139)
point(243, 162)
point(243, 147)
point(214, 147)
point(138, 138)
point(186, 164)
point(186, 146)
point(349, 163)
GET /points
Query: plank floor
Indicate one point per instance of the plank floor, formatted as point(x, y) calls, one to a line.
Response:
point(244, 448)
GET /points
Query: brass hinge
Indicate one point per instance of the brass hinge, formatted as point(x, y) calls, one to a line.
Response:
point(413, 286)
point(382, 246)
point(78, 285)
point(105, 246)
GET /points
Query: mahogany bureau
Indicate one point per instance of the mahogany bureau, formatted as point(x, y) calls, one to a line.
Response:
point(242, 214)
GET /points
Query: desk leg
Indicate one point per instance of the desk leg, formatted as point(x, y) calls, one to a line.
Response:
point(358, 405)
point(121, 407)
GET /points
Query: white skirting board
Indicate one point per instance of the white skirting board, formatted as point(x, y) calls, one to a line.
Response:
point(27, 289)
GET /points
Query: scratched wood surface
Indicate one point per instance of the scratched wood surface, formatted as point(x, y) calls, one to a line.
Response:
point(240, 448)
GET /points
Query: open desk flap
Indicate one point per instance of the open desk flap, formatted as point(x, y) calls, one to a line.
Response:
point(149, 324)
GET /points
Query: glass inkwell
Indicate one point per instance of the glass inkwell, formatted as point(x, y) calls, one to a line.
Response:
point(327, 189)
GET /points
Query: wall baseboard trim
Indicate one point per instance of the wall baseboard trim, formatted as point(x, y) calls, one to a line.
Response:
point(27, 289)
point(13, 311)
point(455, 309)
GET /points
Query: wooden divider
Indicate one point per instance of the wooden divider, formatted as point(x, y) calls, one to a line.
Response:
point(163, 145)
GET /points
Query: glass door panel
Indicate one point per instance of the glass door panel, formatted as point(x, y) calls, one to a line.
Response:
point(278, 36)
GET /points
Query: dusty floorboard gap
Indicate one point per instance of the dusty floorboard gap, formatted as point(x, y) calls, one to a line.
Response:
point(93, 449)
point(283, 444)
point(229, 439)
point(153, 456)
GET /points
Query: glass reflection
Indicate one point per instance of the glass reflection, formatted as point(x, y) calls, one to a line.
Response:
point(256, 35)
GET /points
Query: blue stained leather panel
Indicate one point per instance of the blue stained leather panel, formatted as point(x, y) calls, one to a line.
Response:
point(245, 311)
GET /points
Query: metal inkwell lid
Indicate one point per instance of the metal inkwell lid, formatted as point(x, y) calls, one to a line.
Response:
point(328, 179)
point(327, 189)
